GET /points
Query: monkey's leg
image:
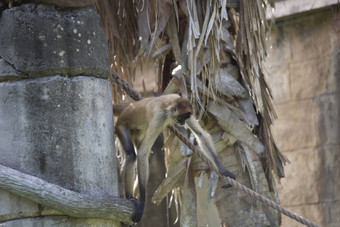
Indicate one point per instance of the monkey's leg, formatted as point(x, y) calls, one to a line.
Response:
point(129, 170)
point(144, 151)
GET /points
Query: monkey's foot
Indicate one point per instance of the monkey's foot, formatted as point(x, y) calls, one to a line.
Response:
point(137, 215)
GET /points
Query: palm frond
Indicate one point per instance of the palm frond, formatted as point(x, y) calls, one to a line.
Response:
point(221, 47)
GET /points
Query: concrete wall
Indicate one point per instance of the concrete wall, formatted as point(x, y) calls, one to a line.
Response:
point(304, 68)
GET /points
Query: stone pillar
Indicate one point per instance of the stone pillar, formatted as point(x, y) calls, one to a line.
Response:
point(56, 118)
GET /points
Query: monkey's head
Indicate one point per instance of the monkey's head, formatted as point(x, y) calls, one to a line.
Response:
point(181, 110)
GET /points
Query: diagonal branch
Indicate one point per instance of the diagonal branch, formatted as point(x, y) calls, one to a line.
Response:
point(71, 203)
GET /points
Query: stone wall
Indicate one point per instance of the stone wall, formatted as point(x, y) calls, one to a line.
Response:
point(304, 68)
point(56, 119)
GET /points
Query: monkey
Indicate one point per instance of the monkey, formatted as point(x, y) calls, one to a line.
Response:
point(140, 123)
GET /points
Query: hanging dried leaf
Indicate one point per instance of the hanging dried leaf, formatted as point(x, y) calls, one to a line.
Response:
point(228, 85)
point(175, 178)
point(144, 27)
point(230, 124)
point(247, 106)
point(211, 188)
point(189, 204)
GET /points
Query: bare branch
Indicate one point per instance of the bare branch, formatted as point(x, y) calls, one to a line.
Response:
point(71, 203)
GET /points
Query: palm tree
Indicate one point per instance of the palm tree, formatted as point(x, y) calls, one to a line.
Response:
point(220, 46)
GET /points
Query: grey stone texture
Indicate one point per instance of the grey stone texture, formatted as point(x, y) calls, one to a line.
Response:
point(304, 67)
point(56, 119)
point(40, 40)
point(55, 122)
point(59, 129)
point(63, 221)
point(7, 72)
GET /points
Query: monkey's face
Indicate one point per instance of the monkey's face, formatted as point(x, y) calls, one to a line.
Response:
point(181, 110)
point(182, 118)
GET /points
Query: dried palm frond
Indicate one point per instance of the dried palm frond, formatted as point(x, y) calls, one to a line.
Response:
point(221, 46)
point(251, 52)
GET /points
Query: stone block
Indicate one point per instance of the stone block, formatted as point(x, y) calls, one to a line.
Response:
point(299, 186)
point(328, 124)
point(336, 27)
point(279, 50)
point(334, 213)
point(60, 129)
point(312, 37)
point(64, 221)
point(297, 125)
point(7, 71)
point(309, 78)
point(329, 174)
point(11, 203)
point(311, 212)
point(333, 79)
point(278, 81)
point(41, 40)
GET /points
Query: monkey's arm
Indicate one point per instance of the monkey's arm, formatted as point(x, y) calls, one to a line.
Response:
point(207, 146)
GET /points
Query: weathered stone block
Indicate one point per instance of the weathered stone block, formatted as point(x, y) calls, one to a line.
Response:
point(312, 37)
point(16, 204)
point(328, 124)
point(59, 221)
point(279, 50)
point(311, 212)
point(329, 173)
point(278, 81)
point(297, 125)
point(7, 71)
point(309, 78)
point(61, 130)
point(333, 79)
point(334, 209)
point(40, 40)
point(299, 187)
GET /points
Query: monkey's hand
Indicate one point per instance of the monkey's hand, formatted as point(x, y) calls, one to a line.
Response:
point(137, 215)
point(228, 174)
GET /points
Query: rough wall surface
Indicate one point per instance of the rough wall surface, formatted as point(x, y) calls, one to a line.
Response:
point(59, 129)
point(38, 40)
point(56, 118)
point(304, 67)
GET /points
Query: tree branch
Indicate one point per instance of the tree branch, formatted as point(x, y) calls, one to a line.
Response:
point(70, 203)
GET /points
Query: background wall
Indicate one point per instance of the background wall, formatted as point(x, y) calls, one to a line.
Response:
point(304, 68)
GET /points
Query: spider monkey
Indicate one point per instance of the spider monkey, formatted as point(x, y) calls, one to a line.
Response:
point(140, 123)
